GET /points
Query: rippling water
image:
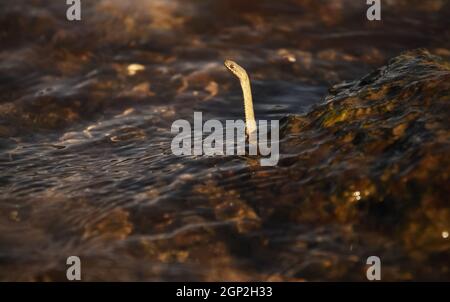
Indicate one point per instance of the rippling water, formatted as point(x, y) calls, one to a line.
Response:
point(85, 115)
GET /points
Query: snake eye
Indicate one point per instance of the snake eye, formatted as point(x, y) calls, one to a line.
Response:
point(232, 66)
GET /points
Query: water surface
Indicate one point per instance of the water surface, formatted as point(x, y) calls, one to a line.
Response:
point(85, 114)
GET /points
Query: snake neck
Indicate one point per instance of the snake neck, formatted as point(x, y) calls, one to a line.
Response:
point(248, 105)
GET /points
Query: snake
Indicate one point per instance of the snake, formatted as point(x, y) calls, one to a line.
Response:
point(241, 74)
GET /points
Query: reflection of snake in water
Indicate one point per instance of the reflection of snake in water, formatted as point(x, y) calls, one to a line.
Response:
point(242, 75)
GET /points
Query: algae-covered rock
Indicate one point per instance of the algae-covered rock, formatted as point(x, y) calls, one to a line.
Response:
point(380, 143)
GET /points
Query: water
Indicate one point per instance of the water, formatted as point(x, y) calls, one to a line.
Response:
point(85, 116)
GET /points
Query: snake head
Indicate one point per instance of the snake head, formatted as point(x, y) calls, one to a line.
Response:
point(235, 68)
